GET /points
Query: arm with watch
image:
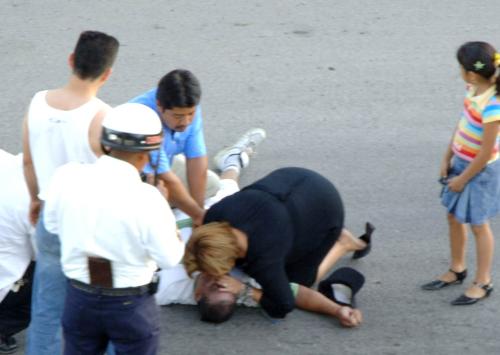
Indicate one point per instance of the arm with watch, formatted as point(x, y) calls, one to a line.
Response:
point(306, 299)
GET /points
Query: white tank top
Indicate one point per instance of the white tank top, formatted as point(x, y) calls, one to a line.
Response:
point(58, 137)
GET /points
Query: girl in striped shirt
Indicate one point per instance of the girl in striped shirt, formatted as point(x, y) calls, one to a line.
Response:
point(470, 172)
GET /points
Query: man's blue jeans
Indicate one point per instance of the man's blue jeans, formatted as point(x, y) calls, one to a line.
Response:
point(49, 292)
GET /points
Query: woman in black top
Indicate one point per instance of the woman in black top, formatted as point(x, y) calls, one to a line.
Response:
point(280, 229)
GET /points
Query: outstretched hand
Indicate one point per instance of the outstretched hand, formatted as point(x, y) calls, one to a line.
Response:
point(349, 317)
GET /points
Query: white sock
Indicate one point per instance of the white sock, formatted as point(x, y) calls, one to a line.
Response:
point(232, 167)
point(233, 162)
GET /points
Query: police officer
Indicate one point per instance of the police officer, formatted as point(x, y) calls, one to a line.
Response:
point(115, 231)
point(16, 252)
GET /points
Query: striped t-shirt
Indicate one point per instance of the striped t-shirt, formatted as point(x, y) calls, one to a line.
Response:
point(478, 110)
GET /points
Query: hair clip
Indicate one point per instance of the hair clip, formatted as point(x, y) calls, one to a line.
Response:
point(479, 65)
point(496, 59)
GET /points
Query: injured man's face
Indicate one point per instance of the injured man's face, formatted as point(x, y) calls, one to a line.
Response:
point(214, 304)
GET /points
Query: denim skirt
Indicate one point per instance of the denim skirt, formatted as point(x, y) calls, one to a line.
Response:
point(480, 199)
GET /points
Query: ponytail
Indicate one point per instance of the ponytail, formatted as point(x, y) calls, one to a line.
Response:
point(479, 58)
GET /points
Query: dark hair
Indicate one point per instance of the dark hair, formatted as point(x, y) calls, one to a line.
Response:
point(179, 88)
point(215, 312)
point(479, 58)
point(94, 53)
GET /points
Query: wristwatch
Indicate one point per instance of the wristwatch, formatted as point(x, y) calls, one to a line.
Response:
point(245, 296)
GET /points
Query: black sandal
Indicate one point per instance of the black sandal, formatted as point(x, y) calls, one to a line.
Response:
point(439, 284)
point(464, 300)
point(367, 238)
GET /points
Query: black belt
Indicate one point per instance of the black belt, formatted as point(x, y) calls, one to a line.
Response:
point(126, 291)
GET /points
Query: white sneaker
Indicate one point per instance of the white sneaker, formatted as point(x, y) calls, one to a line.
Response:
point(238, 154)
point(250, 140)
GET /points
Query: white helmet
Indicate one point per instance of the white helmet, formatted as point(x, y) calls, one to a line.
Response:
point(132, 127)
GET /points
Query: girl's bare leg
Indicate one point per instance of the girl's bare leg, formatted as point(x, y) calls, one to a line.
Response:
point(458, 240)
point(485, 244)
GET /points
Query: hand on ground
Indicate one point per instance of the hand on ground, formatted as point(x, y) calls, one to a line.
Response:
point(349, 317)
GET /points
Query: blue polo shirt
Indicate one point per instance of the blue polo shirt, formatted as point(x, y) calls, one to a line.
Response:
point(191, 142)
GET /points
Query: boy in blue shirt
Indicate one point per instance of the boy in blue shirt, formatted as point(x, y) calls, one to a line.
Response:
point(176, 100)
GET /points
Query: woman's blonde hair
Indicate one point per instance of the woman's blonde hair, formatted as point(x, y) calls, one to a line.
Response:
point(212, 248)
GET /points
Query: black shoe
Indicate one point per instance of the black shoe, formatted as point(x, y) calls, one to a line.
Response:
point(342, 285)
point(439, 284)
point(367, 238)
point(466, 300)
point(8, 345)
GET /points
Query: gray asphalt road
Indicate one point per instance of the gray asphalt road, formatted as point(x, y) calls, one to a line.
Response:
point(366, 92)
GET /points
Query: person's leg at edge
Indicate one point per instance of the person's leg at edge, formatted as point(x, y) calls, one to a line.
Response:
point(82, 323)
point(346, 243)
point(485, 244)
point(458, 240)
point(179, 169)
point(238, 155)
point(230, 174)
point(132, 324)
point(49, 290)
point(15, 311)
point(232, 160)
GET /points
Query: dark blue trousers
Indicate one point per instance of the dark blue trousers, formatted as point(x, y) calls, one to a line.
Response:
point(16, 306)
point(90, 321)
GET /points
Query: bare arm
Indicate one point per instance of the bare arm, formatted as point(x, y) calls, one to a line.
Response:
point(95, 131)
point(307, 299)
point(490, 134)
point(446, 162)
point(196, 171)
point(180, 197)
point(30, 175)
point(312, 301)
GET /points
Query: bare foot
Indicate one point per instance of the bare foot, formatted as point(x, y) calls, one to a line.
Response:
point(350, 243)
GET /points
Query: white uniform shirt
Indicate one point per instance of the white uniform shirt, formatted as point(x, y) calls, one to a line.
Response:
point(105, 210)
point(16, 249)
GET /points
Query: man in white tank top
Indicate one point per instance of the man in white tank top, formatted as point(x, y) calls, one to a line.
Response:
point(61, 126)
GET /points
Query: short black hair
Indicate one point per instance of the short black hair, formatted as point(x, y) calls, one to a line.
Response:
point(94, 53)
point(178, 88)
point(217, 312)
